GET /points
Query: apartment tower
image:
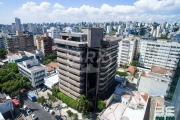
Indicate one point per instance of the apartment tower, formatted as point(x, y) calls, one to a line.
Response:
point(87, 62)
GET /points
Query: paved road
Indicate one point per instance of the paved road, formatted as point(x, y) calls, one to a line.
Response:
point(38, 111)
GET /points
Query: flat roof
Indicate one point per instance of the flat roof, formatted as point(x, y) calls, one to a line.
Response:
point(152, 86)
point(51, 80)
point(159, 76)
point(35, 67)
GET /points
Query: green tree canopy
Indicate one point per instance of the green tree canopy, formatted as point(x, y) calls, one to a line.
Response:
point(13, 67)
point(83, 104)
point(101, 105)
point(122, 73)
point(54, 90)
point(135, 63)
point(124, 66)
point(2, 53)
point(41, 100)
point(51, 56)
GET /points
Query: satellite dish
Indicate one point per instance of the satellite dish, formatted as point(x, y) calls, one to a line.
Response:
point(125, 118)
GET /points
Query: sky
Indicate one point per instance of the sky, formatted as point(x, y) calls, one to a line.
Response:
point(73, 11)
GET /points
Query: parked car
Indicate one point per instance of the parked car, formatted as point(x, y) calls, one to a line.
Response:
point(51, 112)
point(34, 117)
point(57, 117)
point(44, 89)
point(24, 107)
point(46, 109)
point(29, 112)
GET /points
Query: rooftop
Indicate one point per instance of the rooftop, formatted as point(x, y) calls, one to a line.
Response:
point(50, 67)
point(159, 76)
point(4, 98)
point(158, 69)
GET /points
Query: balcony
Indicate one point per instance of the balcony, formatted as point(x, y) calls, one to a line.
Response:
point(72, 64)
point(74, 93)
point(77, 84)
point(70, 50)
point(70, 57)
point(105, 77)
point(111, 47)
point(109, 60)
point(70, 43)
point(68, 94)
point(78, 90)
point(114, 67)
point(107, 54)
point(103, 83)
point(104, 67)
point(74, 77)
point(72, 70)
point(102, 88)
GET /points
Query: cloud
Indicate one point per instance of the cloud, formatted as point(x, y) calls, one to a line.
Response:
point(141, 10)
point(58, 6)
point(1, 3)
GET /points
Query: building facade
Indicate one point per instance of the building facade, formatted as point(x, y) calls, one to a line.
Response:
point(19, 42)
point(87, 62)
point(44, 44)
point(161, 53)
point(127, 50)
point(33, 70)
point(17, 24)
point(2, 42)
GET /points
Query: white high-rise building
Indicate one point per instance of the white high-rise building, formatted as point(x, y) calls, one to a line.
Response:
point(53, 32)
point(109, 29)
point(127, 50)
point(161, 53)
point(17, 24)
point(30, 27)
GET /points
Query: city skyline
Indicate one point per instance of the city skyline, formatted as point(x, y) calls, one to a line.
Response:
point(90, 11)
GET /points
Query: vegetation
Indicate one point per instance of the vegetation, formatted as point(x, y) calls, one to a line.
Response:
point(69, 101)
point(122, 73)
point(2, 53)
point(135, 63)
point(71, 114)
point(125, 66)
point(83, 104)
point(163, 37)
point(143, 73)
point(49, 58)
point(41, 100)
point(55, 91)
point(101, 105)
point(51, 99)
point(11, 81)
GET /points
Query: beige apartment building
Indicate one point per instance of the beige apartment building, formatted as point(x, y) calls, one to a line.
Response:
point(19, 42)
point(44, 44)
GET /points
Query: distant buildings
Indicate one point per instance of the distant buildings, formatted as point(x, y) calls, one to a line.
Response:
point(161, 53)
point(17, 24)
point(44, 44)
point(79, 76)
point(2, 42)
point(33, 70)
point(19, 42)
point(127, 50)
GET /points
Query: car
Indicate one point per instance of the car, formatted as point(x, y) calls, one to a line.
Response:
point(51, 112)
point(44, 89)
point(46, 109)
point(34, 117)
point(24, 107)
point(29, 112)
point(42, 105)
point(57, 117)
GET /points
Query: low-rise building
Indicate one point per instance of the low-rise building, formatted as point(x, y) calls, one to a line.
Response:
point(51, 80)
point(24, 55)
point(2, 42)
point(6, 104)
point(51, 68)
point(33, 70)
point(156, 82)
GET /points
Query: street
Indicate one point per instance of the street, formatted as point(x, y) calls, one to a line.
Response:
point(38, 110)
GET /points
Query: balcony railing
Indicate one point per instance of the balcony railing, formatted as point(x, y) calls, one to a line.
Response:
point(70, 50)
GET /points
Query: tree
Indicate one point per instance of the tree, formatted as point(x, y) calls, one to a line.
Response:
point(54, 90)
point(83, 104)
point(143, 73)
point(51, 98)
point(135, 63)
point(13, 67)
point(122, 73)
point(69, 113)
point(124, 66)
point(2, 53)
point(51, 56)
point(41, 100)
point(101, 105)
point(21, 101)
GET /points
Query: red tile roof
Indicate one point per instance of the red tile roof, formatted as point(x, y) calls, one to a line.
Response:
point(51, 66)
point(158, 69)
point(131, 69)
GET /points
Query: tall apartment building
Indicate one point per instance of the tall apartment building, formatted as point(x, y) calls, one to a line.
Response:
point(17, 24)
point(2, 42)
point(161, 53)
point(53, 32)
point(33, 70)
point(87, 62)
point(127, 50)
point(19, 42)
point(44, 44)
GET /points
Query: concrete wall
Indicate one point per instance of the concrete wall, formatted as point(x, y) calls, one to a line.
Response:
point(108, 101)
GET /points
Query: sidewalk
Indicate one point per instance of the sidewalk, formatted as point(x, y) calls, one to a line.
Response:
point(63, 110)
